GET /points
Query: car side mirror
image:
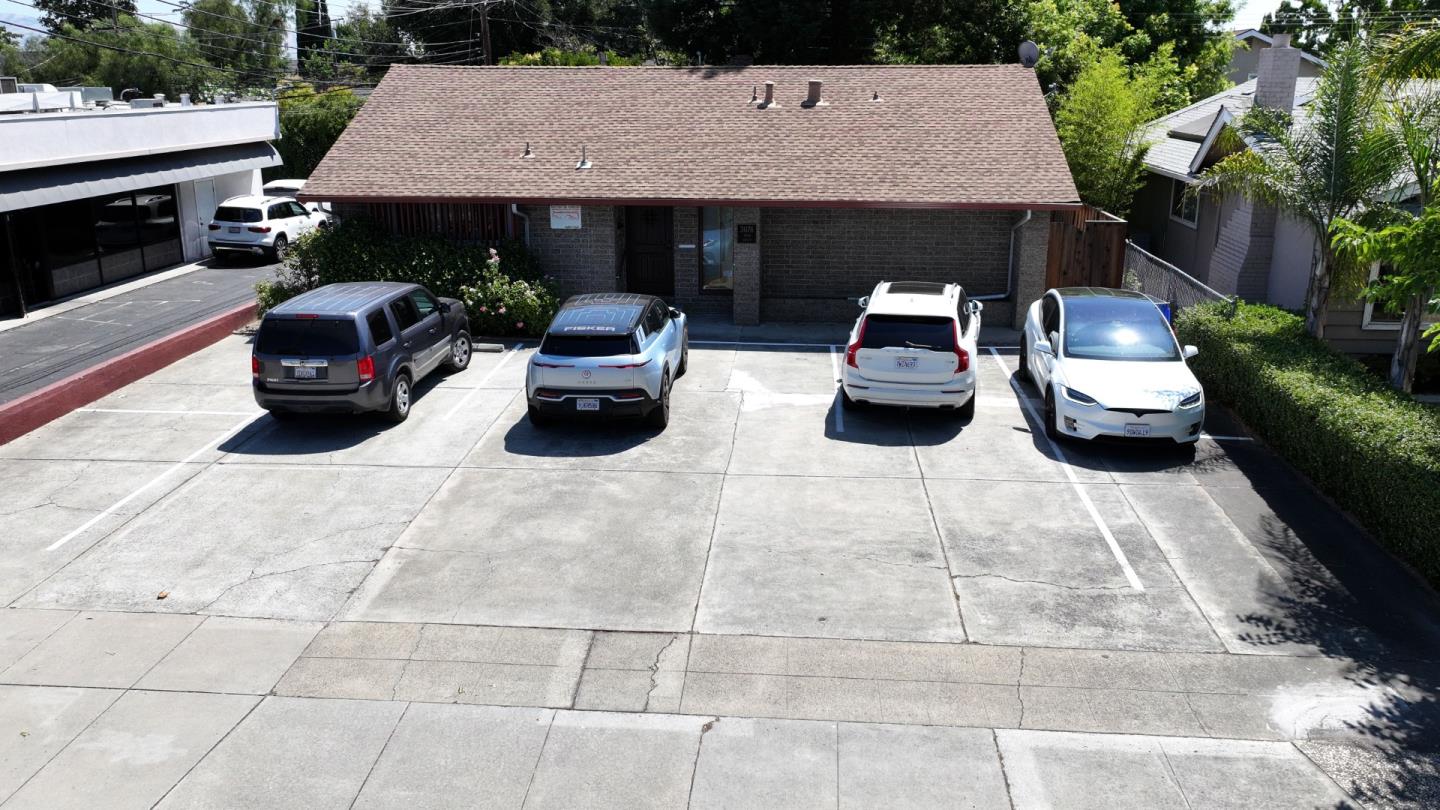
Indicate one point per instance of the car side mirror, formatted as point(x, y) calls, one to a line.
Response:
point(1044, 347)
point(975, 307)
point(863, 301)
point(674, 313)
point(1190, 351)
point(445, 307)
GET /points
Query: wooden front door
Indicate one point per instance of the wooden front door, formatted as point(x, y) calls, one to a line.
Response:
point(649, 250)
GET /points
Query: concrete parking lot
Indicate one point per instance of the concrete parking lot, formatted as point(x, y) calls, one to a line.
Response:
point(774, 602)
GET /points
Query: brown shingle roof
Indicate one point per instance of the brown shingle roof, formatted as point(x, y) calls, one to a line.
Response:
point(944, 136)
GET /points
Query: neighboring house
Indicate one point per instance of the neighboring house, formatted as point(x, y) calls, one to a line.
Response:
point(1231, 244)
point(689, 184)
point(1245, 58)
point(92, 195)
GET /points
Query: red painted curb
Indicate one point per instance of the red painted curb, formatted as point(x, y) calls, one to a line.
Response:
point(20, 416)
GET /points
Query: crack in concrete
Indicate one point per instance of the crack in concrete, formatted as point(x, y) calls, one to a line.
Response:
point(655, 671)
point(1020, 690)
point(1076, 588)
point(254, 577)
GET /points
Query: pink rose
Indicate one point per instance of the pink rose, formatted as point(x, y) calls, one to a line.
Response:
point(519, 324)
point(483, 309)
point(500, 311)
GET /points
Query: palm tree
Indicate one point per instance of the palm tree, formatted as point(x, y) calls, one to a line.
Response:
point(1328, 165)
point(1413, 54)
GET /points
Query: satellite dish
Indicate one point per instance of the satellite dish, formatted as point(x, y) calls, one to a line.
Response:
point(1029, 53)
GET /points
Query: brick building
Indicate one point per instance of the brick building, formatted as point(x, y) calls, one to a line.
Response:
point(757, 192)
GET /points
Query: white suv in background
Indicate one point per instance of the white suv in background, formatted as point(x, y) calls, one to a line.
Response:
point(915, 345)
point(261, 226)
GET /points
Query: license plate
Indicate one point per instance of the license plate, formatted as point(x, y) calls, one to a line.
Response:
point(304, 372)
point(1137, 431)
point(907, 362)
point(233, 229)
point(587, 404)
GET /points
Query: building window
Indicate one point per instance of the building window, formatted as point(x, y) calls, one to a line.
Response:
point(1184, 208)
point(1378, 315)
point(717, 249)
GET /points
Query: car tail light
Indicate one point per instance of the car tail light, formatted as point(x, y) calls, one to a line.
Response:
point(629, 395)
point(258, 229)
point(214, 227)
point(254, 366)
point(306, 316)
point(962, 357)
point(855, 347)
point(627, 365)
point(365, 366)
point(542, 364)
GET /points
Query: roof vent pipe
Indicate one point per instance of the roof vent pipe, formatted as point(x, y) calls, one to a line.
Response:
point(584, 161)
point(769, 96)
point(813, 97)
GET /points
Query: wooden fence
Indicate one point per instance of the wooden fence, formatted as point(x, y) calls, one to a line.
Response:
point(1087, 249)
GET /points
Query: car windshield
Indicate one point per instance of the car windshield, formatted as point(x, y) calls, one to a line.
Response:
point(307, 337)
point(1104, 328)
point(587, 346)
point(909, 332)
point(231, 213)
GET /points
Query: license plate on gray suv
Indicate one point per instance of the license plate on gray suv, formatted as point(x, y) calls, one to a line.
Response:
point(304, 372)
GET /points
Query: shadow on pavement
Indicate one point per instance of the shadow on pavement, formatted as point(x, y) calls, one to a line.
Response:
point(578, 438)
point(319, 433)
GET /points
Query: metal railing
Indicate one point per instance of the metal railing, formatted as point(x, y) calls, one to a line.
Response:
point(1152, 275)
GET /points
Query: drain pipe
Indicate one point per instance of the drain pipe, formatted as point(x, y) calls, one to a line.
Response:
point(515, 209)
point(1010, 275)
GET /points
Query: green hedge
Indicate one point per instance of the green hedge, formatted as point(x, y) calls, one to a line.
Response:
point(503, 289)
point(1374, 451)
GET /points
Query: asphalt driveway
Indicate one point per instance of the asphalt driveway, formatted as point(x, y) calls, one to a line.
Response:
point(774, 597)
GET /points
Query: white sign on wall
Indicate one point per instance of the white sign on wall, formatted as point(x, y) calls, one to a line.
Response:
point(564, 217)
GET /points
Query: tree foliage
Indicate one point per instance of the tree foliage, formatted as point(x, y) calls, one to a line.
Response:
point(310, 122)
point(1101, 122)
point(80, 15)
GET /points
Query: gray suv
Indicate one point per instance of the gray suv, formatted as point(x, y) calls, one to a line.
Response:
point(355, 347)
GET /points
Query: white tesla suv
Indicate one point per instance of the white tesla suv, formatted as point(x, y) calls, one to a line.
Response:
point(914, 345)
point(1108, 364)
point(608, 354)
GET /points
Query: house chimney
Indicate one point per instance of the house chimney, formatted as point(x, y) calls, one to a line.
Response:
point(813, 97)
point(1279, 67)
point(769, 96)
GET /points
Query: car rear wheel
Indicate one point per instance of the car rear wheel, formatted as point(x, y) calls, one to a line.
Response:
point(1025, 362)
point(400, 399)
point(282, 247)
point(1051, 430)
point(660, 415)
point(684, 356)
point(846, 402)
point(967, 411)
point(459, 351)
point(538, 417)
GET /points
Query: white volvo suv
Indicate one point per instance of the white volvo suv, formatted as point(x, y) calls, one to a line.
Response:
point(914, 345)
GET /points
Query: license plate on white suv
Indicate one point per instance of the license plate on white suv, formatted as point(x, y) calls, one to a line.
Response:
point(587, 404)
point(907, 362)
point(1137, 431)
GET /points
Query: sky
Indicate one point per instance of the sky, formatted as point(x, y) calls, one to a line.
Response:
point(1248, 12)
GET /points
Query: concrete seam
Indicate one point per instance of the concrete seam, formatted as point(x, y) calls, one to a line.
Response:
point(939, 536)
point(1175, 780)
point(379, 756)
point(539, 755)
point(68, 743)
point(1332, 780)
point(168, 652)
point(223, 737)
point(1000, 756)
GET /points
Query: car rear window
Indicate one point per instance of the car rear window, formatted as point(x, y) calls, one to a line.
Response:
point(587, 346)
point(307, 337)
point(909, 332)
point(230, 213)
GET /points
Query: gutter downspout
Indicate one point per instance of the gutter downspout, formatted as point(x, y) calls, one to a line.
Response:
point(515, 209)
point(1010, 277)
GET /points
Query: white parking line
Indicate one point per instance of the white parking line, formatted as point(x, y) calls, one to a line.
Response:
point(503, 360)
point(165, 413)
point(759, 343)
point(1075, 483)
point(1214, 438)
point(153, 481)
point(839, 406)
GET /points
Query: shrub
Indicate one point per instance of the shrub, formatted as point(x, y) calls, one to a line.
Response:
point(509, 278)
point(1375, 451)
